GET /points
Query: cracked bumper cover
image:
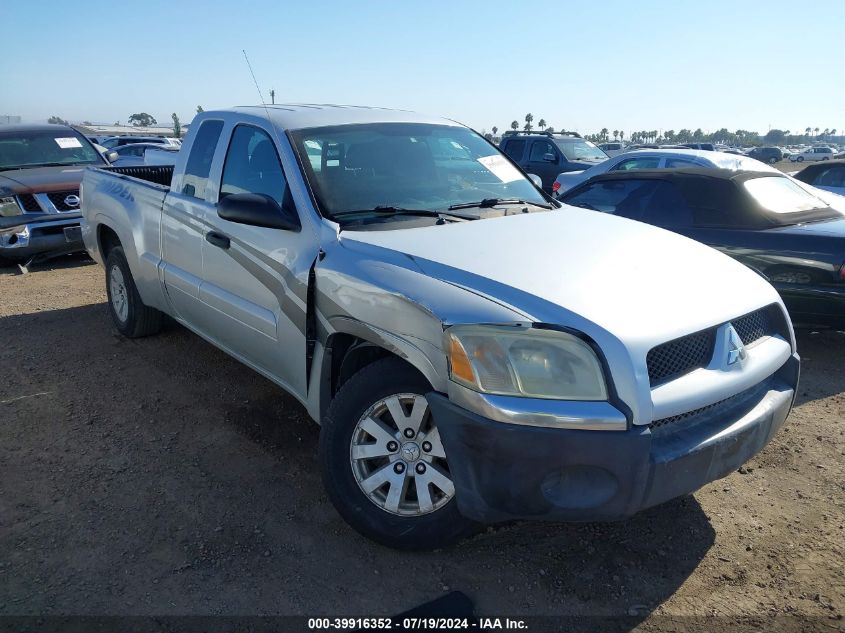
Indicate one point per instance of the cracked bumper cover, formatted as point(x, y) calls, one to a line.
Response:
point(503, 471)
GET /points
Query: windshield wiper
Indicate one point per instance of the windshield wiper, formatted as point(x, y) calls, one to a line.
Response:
point(391, 210)
point(492, 202)
point(36, 165)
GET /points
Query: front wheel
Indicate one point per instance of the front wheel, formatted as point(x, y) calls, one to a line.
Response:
point(800, 159)
point(383, 463)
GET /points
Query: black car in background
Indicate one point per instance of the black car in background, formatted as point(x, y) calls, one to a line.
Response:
point(828, 175)
point(764, 220)
point(767, 154)
point(547, 154)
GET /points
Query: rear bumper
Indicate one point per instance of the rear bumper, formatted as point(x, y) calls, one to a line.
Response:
point(54, 237)
point(503, 471)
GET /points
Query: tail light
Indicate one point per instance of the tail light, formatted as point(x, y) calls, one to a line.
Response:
point(842, 271)
point(556, 186)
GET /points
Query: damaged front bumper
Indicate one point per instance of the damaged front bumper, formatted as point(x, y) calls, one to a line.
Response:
point(504, 471)
point(22, 237)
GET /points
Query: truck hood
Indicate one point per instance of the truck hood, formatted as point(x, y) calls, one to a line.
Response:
point(576, 267)
point(42, 179)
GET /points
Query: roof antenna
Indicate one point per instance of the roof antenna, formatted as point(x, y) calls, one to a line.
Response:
point(255, 81)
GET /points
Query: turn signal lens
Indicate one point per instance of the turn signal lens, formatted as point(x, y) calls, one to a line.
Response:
point(461, 367)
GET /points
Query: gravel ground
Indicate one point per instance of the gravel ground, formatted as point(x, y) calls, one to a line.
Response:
point(159, 476)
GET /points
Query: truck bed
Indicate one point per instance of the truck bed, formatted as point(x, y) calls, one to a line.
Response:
point(156, 174)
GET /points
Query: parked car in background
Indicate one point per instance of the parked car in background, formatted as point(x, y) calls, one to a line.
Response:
point(134, 154)
point(657, 159)
point(469, 349)
point(709, 147)
point(613, 148)
point(763, 219)
point(769, 155)
point(829, 176)
point(117, 141)
point(547, 154)
point(813, 154)
point(40, 170)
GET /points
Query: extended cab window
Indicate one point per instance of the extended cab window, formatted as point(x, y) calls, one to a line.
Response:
point(199, 161)
point(252, 165)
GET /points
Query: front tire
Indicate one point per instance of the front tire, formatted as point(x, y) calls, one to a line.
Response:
point(130, 316)
point(383, 464)
point(800, 159)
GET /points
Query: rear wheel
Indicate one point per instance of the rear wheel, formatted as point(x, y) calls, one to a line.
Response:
point(383, 463)
point(800, 159)
point(131, 317)
point(773, 160)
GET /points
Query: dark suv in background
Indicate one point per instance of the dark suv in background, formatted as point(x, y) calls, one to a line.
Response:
point(547, 154)
point(767, 154)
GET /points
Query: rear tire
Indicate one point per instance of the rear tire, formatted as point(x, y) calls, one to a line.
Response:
point(130, 316)
point(379, 436)
point(773, 160)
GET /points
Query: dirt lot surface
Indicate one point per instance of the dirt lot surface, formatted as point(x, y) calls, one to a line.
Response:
point(159, 476)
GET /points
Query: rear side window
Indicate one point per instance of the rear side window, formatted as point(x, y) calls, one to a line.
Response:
point(621, 197)
point(679, 162)
point(199, 161)
point(515, 149)
point(831, 177)
point(638, 163)
point(252, 165)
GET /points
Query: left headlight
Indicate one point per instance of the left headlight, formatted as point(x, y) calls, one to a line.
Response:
point(524, 361)
point(9, 207)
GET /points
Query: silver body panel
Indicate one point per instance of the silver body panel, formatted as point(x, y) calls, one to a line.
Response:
point(625, 285)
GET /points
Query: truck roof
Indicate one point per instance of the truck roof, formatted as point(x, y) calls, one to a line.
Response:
point(305, 115)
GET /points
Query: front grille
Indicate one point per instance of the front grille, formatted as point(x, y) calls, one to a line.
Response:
point(673, 359)
point(29, 203)
point(727, 405)
point(58, 200)
point(765, 322)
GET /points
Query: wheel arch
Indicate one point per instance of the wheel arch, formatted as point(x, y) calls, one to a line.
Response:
point(356, 345)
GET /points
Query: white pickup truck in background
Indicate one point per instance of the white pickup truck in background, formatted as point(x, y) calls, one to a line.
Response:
point(474, 351)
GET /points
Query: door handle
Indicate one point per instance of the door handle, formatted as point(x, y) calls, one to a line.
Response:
point(218, 239)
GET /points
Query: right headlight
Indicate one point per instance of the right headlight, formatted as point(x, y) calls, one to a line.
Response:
point(524, 361)
point(9, 207)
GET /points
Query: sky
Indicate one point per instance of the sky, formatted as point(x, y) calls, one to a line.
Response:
point(582, 65)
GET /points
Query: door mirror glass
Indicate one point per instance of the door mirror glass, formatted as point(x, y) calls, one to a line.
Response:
point(256, 209)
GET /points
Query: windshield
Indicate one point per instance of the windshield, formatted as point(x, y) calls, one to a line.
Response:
point(579, 149)
point(404, 166)
point(20, 149)
point(786, 201)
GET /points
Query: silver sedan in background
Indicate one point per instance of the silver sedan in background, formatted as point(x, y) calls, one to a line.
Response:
point(659, 159)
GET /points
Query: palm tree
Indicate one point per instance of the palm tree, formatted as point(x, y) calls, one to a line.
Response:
point(615, 134)
point(514, 125)
point(816, 131)
point(541, 123)
point(621, 135)
point(808, 130)
point(528, 118)
point(604, 134)
point(495, 129)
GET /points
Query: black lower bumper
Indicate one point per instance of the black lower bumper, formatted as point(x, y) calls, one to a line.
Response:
point(503, 471)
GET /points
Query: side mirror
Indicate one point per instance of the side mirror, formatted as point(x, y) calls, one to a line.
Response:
point(536, 180)
point(112, 156)
point(550, 158)
point(257, 209)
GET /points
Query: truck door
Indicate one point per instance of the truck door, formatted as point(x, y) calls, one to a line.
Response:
point(544, 161)
point(182, 225)
point(255, 278)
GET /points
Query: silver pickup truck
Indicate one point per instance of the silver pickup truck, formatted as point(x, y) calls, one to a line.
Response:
point(474, 351)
